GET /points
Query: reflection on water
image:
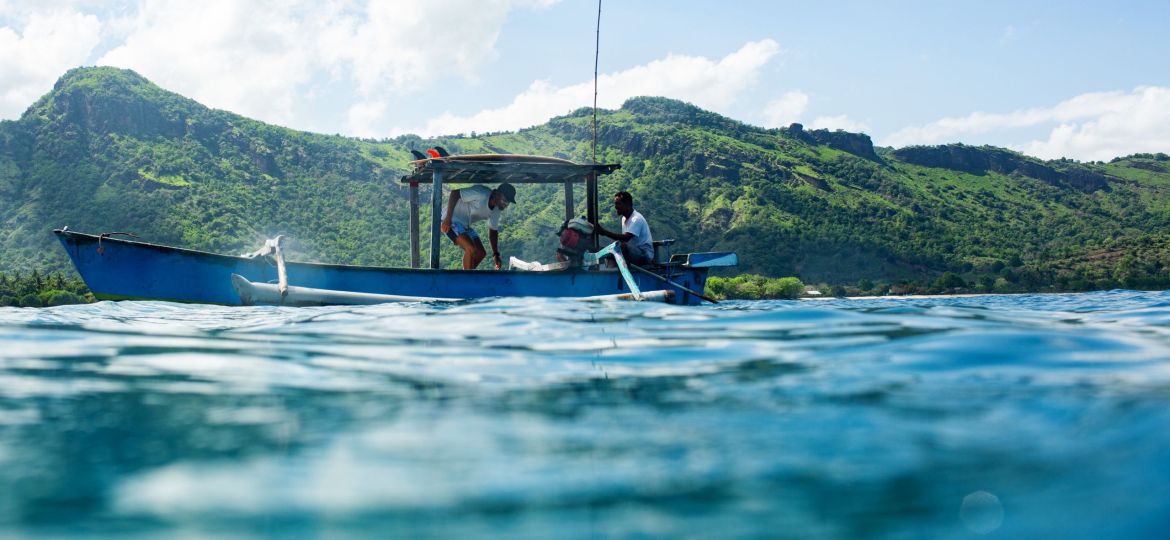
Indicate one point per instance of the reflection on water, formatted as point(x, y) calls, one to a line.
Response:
point(1018, 416)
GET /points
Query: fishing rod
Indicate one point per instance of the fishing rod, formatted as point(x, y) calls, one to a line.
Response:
point(591, 182)
point(596, 58)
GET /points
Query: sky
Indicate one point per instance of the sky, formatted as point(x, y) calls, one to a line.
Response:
point(1082, 80)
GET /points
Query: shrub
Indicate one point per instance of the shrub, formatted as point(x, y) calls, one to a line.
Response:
point(748, 290)
point(59, 298)
point(716, 287)
point(754, 287)
point(949, 280)
point(787, 287)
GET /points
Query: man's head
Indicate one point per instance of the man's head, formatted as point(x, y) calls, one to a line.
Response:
point(623, 203)
point(503, 196)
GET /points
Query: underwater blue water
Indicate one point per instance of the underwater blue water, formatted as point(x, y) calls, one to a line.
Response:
point(994, 416)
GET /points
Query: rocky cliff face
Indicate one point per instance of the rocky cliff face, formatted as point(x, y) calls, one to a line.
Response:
point(981, 159)
point(858, 144)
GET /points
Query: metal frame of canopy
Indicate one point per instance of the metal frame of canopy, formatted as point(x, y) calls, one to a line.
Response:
point(457, 171)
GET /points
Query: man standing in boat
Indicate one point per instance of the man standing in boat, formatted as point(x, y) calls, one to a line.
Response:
point(469, 205)
point(636, 243)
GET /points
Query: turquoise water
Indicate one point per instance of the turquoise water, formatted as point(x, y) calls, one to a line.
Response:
point(996, 416)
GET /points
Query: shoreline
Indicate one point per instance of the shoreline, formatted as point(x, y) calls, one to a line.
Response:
point(907, 296)
point(927, 296)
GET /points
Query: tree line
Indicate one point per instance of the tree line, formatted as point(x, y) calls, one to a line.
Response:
point(42, 290)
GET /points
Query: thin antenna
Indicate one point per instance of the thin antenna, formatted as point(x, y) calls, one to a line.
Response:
point(596, 56)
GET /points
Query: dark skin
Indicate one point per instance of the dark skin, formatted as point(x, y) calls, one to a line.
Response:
point(473, 252)
point(624, 210)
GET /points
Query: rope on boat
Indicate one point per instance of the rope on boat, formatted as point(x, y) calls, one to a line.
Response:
point(101, 250)
point(281, 276)
point(273, 247)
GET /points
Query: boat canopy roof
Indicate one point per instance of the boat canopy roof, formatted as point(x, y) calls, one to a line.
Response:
point(534, 170)
point(441, 168)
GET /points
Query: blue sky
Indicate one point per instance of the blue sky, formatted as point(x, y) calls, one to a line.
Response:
point(1086, 80)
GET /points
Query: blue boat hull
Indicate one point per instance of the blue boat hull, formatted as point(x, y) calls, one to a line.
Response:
point(129, 270)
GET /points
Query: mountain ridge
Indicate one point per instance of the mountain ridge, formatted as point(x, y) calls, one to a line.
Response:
point(107, 149)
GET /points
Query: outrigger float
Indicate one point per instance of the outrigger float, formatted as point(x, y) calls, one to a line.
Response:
point(117, 268)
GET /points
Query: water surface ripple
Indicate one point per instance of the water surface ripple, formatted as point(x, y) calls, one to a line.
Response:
point(1006, 416)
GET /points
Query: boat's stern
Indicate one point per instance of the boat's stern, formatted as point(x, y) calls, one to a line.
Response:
point(691, 270)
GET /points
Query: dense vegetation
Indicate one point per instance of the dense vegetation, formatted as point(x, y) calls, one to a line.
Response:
point(36, 290)
point(107, 150)
point(754, 287)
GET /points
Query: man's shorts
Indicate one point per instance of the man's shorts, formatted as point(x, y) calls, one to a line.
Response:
point(457, 229)
point(633, 256)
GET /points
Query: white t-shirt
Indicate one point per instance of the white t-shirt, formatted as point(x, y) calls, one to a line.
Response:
point(636, 224)
point(473, 207)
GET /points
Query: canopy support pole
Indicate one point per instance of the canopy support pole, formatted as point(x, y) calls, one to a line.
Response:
point(415, 258)
point(436, 214)
point(568, 200)
point(591, 204)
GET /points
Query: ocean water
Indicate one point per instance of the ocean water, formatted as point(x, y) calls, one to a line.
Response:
point(996, 416)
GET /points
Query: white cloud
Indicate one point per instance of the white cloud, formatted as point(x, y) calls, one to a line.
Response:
point(1138, 122)
point(248, 57)
point(709, 84)
point(33, 58)
point(786, 109)
point(399, 43)
point(790, 108)
point(839, 121)
point(363, 119)
point(1008, 35)
point(1099, 125)
point(262, 58)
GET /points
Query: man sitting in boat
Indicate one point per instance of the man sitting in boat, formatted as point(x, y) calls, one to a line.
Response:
point(636, 243)
point(469, 205)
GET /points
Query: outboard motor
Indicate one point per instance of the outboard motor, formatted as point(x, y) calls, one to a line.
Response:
point(575, 234)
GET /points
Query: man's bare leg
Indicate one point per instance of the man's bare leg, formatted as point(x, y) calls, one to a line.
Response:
point(469, 250)
point(479, 254)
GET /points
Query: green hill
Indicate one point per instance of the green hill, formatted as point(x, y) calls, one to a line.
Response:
point(106, 150)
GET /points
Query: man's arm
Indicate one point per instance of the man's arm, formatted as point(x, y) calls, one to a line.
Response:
point(494, 240)
point(623, 237)
point(451, 201)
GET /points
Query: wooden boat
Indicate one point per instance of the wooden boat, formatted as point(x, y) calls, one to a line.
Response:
point(117, 268)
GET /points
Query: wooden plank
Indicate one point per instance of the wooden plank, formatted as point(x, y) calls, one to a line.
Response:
point(712, 259)
point(415, 257)
point(511, 158)
point(516, 173)
point(626, 275)
point(436, 216)
point(613, 249)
